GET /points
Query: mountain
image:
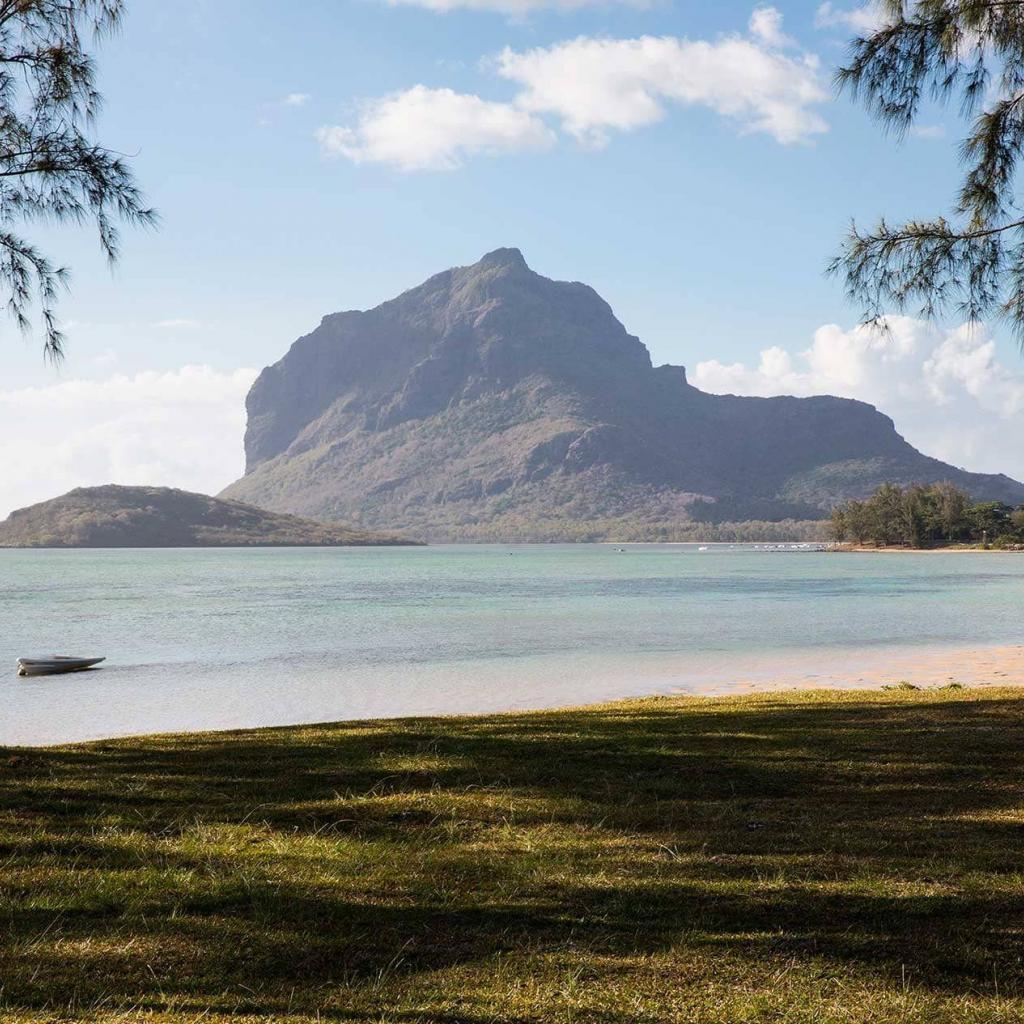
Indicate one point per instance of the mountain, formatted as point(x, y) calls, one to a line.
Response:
point(493, 402)
point(159, 517)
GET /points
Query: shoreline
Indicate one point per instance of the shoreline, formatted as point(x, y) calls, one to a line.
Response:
point(732, 675)
point(893, 549)
point(681, 697)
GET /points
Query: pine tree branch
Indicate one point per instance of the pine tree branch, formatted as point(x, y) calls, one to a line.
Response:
point(50, 168)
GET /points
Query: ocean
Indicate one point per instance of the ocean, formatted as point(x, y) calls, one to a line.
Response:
point(224, 638)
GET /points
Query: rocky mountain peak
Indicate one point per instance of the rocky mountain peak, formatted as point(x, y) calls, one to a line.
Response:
point(490, 391)
point(510, 257)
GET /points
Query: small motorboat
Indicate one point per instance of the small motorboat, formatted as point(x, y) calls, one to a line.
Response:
point(54, 665)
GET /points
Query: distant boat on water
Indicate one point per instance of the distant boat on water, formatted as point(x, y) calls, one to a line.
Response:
point(55, 664)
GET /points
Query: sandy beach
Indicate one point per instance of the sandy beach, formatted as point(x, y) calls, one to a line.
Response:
point(870, 669)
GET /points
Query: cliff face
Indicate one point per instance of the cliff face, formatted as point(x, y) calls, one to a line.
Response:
point(490, 395)
point(146, 517)
point(464, 332)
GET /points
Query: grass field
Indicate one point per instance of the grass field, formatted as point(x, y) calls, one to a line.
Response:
point(807, 857)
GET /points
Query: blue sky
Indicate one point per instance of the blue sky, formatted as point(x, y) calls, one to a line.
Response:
point(298, 172)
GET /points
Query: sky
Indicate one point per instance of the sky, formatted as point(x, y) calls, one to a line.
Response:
point(691, 161)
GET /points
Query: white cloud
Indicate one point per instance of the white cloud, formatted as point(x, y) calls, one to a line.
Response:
point(947, 391)
point(177, 324)
point(593, 87)
point(864, 20)
point(928, 131)
point(766, 27)
point(183, 428)
point(434, 129)
point(596, 85)
point(296, 99)
point(105, 360)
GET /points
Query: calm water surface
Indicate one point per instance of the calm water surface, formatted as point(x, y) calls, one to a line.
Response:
point(201, 639)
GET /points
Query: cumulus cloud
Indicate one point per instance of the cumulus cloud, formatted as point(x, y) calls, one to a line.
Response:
point(947, 390)
point(592, 87)
point(434, 129)
point(598, 85)
point(296, 99)
point(182, 429)
point(766, 27)
point(863, 20)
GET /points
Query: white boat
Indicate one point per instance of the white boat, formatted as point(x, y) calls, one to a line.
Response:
point(54, 665)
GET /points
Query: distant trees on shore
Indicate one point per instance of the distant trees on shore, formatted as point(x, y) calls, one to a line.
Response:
point(924, 516)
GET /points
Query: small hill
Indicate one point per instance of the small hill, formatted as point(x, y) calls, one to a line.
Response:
point(163, 517)
point(491, 402)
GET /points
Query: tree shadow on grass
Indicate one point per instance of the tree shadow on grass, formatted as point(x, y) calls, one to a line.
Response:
point(278, 860)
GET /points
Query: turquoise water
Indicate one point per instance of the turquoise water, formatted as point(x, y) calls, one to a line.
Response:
point(231, 637)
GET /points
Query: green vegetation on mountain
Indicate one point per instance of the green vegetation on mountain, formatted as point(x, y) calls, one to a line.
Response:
point(924, 516)
point(145, 517)
point(835, 858)
point(493, 402)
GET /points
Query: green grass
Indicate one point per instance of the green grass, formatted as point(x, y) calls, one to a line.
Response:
point(782, 858)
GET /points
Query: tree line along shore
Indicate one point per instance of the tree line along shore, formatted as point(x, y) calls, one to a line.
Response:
point(927, 516)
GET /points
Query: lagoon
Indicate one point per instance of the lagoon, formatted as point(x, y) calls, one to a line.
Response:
point(222, 638)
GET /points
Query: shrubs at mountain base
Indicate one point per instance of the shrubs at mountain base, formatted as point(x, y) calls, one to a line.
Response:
point(925, 516)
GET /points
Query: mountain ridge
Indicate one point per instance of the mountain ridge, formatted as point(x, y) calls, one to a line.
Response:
point(489, 398)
